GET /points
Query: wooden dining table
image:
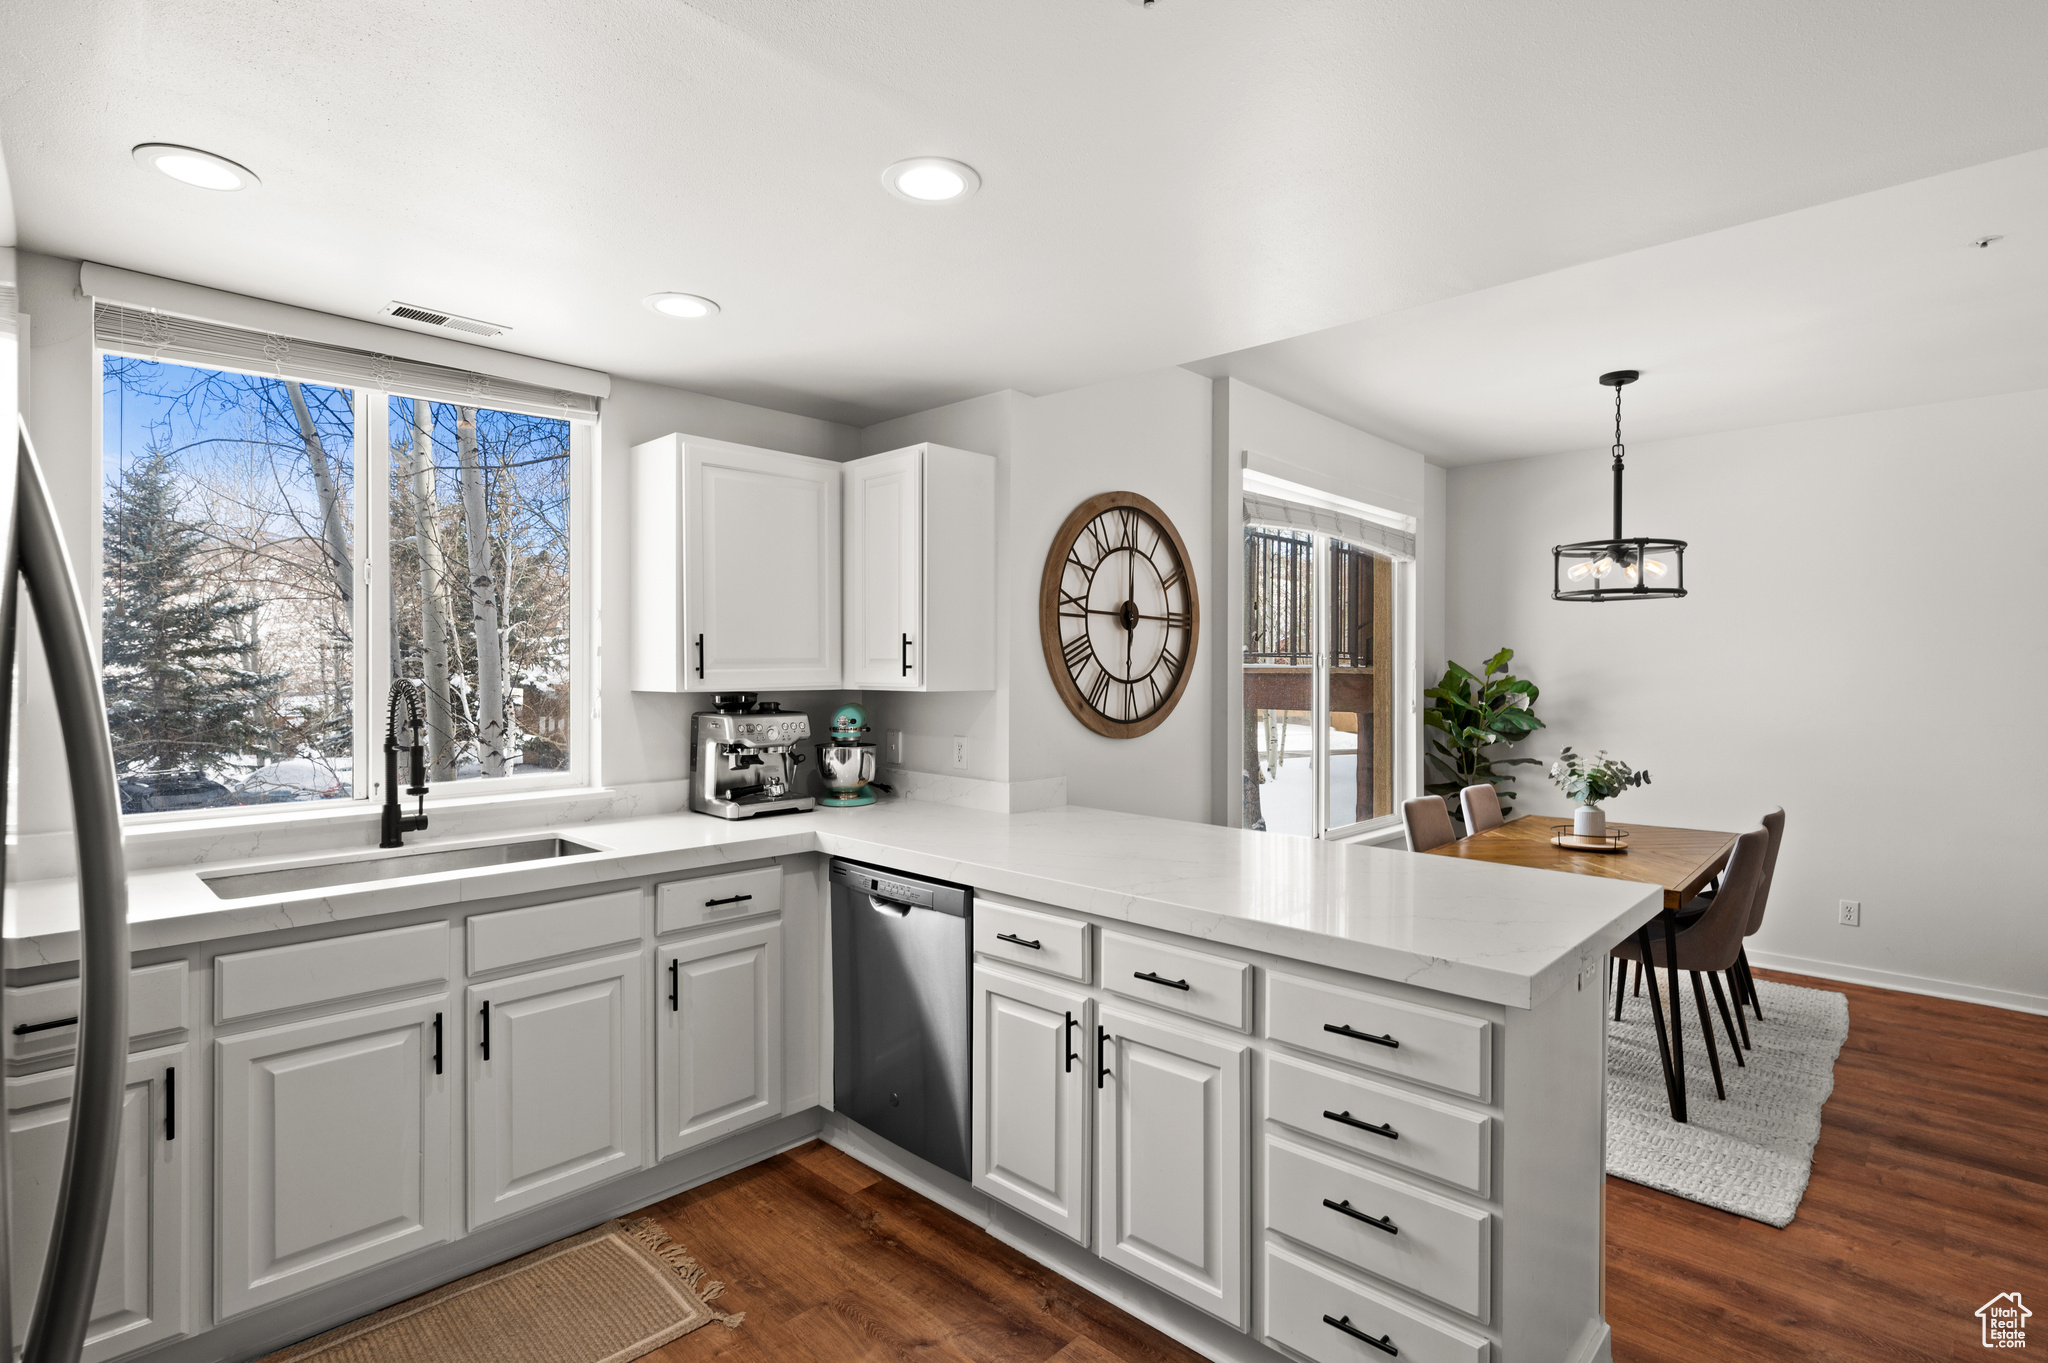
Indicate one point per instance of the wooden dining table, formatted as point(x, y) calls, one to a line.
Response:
point(1681, 861)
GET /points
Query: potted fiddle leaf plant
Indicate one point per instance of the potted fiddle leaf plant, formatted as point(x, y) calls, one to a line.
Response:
point(1586, 782)
point(1473, 718)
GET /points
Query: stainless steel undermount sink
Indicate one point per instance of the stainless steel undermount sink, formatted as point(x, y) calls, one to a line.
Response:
point(392, 866)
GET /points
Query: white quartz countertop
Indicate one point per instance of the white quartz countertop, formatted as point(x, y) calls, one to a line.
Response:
point(1502, 934)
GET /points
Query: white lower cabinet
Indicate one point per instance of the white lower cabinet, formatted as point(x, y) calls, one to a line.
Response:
point(718, 1045)
point(1033, 1073)
point(1171, 1161)
point(331, 1150)
point(140, 1299)
point(554, 1083)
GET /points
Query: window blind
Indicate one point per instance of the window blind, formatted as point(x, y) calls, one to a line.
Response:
point(1270, 510)
point(152, 334)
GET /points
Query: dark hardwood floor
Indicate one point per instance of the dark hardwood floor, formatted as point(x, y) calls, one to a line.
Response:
point(1929, 1197)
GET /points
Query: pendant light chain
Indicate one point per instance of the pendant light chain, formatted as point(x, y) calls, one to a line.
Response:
point(1618, 568)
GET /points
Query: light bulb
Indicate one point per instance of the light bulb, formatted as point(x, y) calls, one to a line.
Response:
point(1603, 567)
point(1655, 567)
point(1579, 571)
point(1630, 569)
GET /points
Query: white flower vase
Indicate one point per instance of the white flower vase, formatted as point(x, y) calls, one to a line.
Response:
point(1589, 821)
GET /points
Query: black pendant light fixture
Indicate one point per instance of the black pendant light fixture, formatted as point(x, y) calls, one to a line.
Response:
point(1619, 568)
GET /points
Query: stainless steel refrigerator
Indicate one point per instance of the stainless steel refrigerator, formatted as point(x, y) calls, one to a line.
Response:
point(32, 557)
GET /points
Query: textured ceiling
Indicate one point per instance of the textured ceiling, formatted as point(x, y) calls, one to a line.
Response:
point(1161, 184)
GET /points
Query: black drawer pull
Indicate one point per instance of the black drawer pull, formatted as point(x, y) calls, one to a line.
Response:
point(170, 1102)
point(485, 1011)
point(1013, 937)
point(1349, 1120)
point(1066, 1041)
point(675, 985)
point(25, 1028)
point(1341, 1030)
point(1101, 1055)
point(700, 657)
point(1376, 1222)
point(906, 655)
point(437, 1043)
point(1159, 979)
point(1385, 1343)
point(729, 899)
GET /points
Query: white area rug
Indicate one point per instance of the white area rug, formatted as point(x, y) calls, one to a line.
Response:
point(1752, 1154)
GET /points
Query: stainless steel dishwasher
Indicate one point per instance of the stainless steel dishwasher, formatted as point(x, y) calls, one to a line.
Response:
point(900, 1019)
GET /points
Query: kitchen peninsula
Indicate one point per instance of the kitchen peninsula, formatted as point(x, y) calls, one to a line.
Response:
point(1270, 1094)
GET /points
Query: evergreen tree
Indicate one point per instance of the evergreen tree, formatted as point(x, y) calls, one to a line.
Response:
point(179, 696)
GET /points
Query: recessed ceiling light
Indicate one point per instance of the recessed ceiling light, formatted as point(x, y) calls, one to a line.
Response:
point(679, 305)
point(931, 180)
point(194, 167)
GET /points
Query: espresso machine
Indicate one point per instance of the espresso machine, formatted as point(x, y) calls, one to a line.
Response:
point(743, 757)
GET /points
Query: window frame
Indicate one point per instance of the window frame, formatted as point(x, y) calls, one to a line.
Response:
point(1401, 675)
point(370, 504)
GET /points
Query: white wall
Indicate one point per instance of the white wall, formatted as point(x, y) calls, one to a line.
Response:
point(1862, 645)
point(1147, 434)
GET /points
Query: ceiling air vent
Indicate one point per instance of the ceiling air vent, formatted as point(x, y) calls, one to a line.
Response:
point(446, 321)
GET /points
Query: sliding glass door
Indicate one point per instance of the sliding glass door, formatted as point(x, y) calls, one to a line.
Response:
point(1321, 683)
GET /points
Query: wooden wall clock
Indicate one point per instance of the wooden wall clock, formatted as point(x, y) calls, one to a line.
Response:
point(1118, 615)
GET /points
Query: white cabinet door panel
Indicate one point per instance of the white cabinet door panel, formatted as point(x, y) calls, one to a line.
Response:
point(885, 577)
point(554, 1083)
point(1171, 1161)
point(140, 1298)
point(761, 575)
point(1032, 1080)
point(332, 1151)
point(719, 1044)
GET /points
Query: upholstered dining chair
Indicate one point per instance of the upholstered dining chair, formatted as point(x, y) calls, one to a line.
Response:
point(1482, 808)
point(1428, 821)
point(1712, 943)
point(1739, 979)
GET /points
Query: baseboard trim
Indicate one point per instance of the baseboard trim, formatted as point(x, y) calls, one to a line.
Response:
point(268, 1329)
point(1905, 984)
point(1597, 1346)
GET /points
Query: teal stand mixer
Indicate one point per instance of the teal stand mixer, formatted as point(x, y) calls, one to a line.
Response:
point(846, 764)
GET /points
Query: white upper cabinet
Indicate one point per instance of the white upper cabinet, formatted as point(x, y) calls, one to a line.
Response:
point(920, 570)
point(735, 568)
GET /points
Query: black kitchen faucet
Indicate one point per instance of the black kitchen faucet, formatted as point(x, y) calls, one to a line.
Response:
point(396, 822)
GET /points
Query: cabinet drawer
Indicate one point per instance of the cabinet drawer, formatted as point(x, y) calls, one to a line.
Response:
point(545, 931)
point(156, 1004)
point(1197, 984)
point(1027, 937)
point(717, 899)
point(1437, 1247)
point(252, 983)
point(1303, 1299)
point(1408, 1040)
point(1430, 1138)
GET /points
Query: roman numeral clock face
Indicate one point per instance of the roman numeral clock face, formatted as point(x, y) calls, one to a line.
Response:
point(1118, 615)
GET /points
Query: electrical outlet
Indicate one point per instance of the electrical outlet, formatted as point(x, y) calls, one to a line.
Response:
point(1850, 913)
point(959, 752)
point(894, 747)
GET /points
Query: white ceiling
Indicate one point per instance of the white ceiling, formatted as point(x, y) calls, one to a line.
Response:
point(1867, 303)
point(1161, 184)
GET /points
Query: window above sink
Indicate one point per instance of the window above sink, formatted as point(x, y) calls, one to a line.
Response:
point(265, 572)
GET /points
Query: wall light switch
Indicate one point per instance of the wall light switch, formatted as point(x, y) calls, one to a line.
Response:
point(959, 752)
point(1850, 913)
point(892, 748)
